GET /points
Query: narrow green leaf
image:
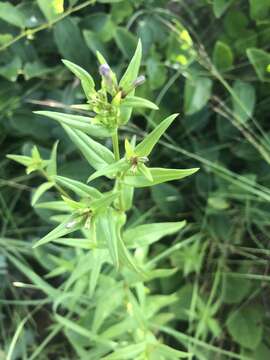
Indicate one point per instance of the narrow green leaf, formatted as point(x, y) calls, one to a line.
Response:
point(80, 243)
point(145, 147)
point(144, 235)
point(127, 352)
point(135, 101)
point(23, 160)
point(133, 68)
point(87, 81)
point(104, 201)
point(96, 154)
point(159, 176)
point(35, 278)
point(169, 353)
point(144, 170)
point(54, 205)
point(58, 232)
point(99, 257)
point(110, 170)
point(52, 165)
point(40, 191)
point(77, 122)
point(82, 330)
point(107, 230)
point(126, 259)
point(78, 187)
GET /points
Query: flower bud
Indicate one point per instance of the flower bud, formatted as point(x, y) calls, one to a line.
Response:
point(105, 70)
point(139, 81)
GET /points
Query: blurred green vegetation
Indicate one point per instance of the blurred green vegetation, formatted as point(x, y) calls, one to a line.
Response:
point(207, 60)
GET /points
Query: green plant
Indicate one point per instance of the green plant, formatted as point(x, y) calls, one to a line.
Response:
point(113, 268)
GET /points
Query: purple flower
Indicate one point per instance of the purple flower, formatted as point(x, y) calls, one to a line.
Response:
point(105, 70)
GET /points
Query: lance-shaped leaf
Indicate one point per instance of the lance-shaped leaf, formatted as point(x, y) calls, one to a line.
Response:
point(52, 165)
point(135, 101)
point(78, 187)
point(144, 170)
point(106, 231)
point(96, 154)
point(126, 259)
point(166, 352)
point(134, 351)
point(77, 122)
point(40, 191)
point(54, 205)
point(21, 159)
point(104, 201)
point(144, 235)
point(87, 81)
point(68, 226)
point(145, 147)
point(133, 68)
point(111, 169)
point(159, 176)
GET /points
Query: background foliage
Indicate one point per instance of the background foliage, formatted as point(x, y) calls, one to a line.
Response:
point(208, 60)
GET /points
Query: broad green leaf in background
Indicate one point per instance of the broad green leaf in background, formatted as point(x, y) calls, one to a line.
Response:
point(94, 43)
point(156, 72)
point(77, 122)
point(11, 14)
point(168, 199)
point(145, 147)
point(244, 100)
point(51, 9)
point(222, 56)
point(96, 154)
point(245, 326)
point(259, 10)
point(197, 93)
point(35, 69)
point(235, 289)
point(126, 41)
point(159, 176)
point(220, 6)
point(68, 37)
point(235, 23)
point(11, 70)
point(260, 60)
point(144, 235)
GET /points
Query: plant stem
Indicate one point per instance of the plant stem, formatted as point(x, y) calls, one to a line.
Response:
point(115, 142)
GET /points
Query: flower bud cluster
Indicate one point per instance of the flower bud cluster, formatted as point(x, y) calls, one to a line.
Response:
point(106, 102)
